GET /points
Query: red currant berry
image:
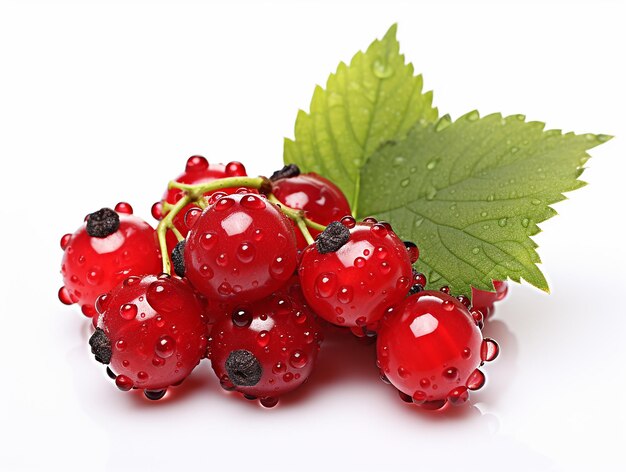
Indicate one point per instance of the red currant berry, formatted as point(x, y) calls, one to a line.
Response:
point(241, 249)
point(151, 332)
point(430, 349)
point(321, 200)
point(354, 273)
point(484, 301)
point(197, 171)
point(106, 249)
point(267, 348)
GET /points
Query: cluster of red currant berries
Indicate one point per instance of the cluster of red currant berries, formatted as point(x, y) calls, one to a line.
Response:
point(247, 272)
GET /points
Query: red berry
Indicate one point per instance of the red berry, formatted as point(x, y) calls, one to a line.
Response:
point(151, 331)
point(484, 301)
point(267, 348)
point(106, 249)
point(241, 249)
point(321, 200)
point(430, 349)
point(197, 171)
point(359, 281)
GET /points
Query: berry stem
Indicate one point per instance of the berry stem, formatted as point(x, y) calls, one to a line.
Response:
point(168, 223)
point(196, 191)
point(195, 194)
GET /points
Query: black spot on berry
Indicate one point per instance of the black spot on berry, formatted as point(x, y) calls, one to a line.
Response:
point(154, 394)
point(290, 170)
point(178, 258)
point(243, 368)
point(100, 346)
point(102, 223)
point(332, 238)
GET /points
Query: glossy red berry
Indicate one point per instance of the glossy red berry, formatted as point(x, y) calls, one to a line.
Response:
point(354, 284)
point(484, 301)
point(241, 249)
point(267, 348)
point(197, 171)
point(321, 200)
point(109, 247)
point(151, 332)
point(430, 350)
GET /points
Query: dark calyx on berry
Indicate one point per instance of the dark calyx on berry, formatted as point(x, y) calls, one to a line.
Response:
point(102, 223)
point(416, 289)
point(100, 346)
point(178, 258)
point(332, 238)
point(290, 170)
point(243, 368)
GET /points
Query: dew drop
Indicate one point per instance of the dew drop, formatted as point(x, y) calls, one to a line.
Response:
point(165, 347)
point(476, 250)
point(419, 397)
point(298, 359)
point(65, 240)
point(326, 284)
point(359, 262)
point(345, 294)
point(451, 373)
point(502, 222)
point(432, 164)
point(535, 201)
point(476, 380)
point(403, 373)
point(123, 383)
point(253, 202)
point(525, 222)
point(382, 70)
point(208, 240)
point(448, 305)
point(458, 396)
point(64, 296)
point(241, 318)
point(489, 350)
point(128, 311)
point(263, 338)
point(246, 253)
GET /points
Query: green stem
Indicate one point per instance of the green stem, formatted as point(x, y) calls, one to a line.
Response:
point(168, 223)
point(196, 191)
point(302, 222)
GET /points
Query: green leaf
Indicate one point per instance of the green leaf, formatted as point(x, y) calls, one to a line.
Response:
point(375, 99)
point(471, 193)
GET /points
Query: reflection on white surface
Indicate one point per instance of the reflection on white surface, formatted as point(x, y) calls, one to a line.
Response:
point(423, 325)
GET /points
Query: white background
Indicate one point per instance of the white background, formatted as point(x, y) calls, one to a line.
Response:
point(103, 101)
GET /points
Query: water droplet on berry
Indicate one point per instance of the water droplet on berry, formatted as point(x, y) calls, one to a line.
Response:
point(124, 208)
point(65, 240)
point(123, 383)
point(128, 311)
point(222, 260)
point(345, 294)
point(279, 368)
point(359, 262)
point(466, 353)
point(157, 211)
point(88, 310)
point(476, 380)
point(263, 338)
point(268, 402)
point(326, 284)
point(458, 396)
point(448, 305)
point(192, 216)
point(64, 296)
point(246, 253)
point(253, 202)
point(402, 372)
point(278, 267)
point(206, 271)
point(130, 281)
point(94, 276)
point(241, 318)
point(489, 350)
point(385, 267)
point(235, 169)
point(196, 164)
point(298, 359)
point(142, 376)
point(288, 377)
point(224, 204)
point(379, 230)
point(451, 373)
point(165, 347)
point(424, 382)
point(120, 345)
point(348, 222)
point(419, 397)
